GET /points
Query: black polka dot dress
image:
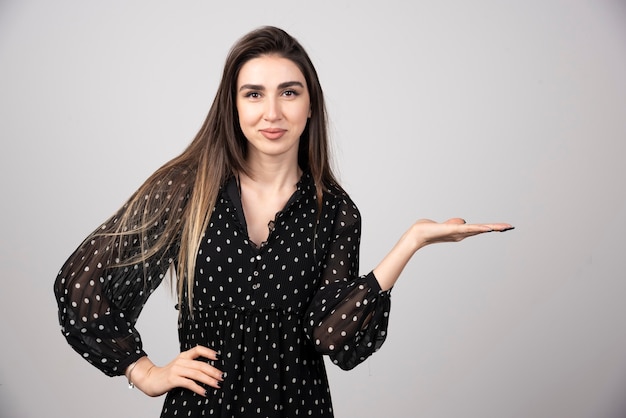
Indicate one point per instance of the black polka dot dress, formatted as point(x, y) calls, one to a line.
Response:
point(272, 311)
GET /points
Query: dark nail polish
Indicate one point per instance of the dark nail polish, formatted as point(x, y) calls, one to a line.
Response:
point(223, 376)
point(217, 356)
point(206, 393)
point(219, 384)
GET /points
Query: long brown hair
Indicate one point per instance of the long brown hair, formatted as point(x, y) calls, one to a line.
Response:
point(218, 150)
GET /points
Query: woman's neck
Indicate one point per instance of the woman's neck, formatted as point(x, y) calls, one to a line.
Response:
point(272, 176)
point(264, 191)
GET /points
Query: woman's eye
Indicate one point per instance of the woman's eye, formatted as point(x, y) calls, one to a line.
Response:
point(253, 95)
point(290, 93)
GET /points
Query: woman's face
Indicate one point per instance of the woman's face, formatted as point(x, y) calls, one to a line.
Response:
point(274, 106)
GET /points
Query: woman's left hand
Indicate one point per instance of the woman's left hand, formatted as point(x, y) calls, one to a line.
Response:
point(425, 232)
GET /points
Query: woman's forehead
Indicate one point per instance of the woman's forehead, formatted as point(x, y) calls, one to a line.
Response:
point(268, 71)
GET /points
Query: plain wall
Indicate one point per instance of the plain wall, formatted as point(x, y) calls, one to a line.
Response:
point(487, 110)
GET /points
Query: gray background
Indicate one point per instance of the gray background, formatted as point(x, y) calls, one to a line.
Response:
point(489, 110)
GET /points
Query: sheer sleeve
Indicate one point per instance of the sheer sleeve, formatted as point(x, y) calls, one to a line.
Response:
point(100, 294)
point(348, 316)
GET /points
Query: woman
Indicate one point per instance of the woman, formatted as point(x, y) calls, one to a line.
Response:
point(265, 245)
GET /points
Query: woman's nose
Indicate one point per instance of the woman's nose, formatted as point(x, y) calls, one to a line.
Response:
point(272, 110)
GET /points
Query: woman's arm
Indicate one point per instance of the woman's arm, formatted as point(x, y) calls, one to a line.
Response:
point(103, 286)
point(99, 301)
point(349, 315)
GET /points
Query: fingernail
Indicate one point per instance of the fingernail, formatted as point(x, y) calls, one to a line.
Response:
point(219, 384)
point(217, 356)
point(223, 376)
point(206, 393)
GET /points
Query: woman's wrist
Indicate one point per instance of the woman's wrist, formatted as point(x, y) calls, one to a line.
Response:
point(415, 238)
point(391, 266)
point(129, 373)
point(137, 370)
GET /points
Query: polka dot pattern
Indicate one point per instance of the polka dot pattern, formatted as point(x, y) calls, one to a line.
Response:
point(272, 312)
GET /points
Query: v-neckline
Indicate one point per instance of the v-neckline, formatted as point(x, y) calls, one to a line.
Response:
point(233, 189)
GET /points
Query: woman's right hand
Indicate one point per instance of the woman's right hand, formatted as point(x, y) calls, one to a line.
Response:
point(184, 371)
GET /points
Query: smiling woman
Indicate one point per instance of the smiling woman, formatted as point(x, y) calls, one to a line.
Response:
point(265, 243)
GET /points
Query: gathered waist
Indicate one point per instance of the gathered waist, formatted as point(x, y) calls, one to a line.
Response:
point(245, 310)
point(224, 326)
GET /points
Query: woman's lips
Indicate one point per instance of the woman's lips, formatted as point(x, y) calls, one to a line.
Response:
point(273, 133)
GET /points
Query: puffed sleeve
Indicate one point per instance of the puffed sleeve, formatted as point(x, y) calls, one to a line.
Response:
point(100, 295)
point(349, 314)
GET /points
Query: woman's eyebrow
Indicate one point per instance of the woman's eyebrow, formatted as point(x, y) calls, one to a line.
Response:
point(280, 86)
point(290, 84)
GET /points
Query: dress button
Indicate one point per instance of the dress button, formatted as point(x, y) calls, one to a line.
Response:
point(256, 286)
point(258, 257)
point(256, 273)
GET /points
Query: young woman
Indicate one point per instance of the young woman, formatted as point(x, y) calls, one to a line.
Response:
point(265, 245)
